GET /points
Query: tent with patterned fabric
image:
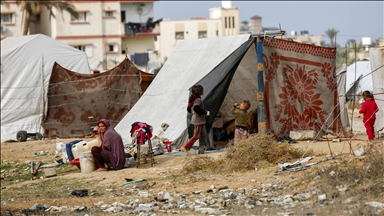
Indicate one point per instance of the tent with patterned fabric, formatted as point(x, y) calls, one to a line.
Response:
point(76, 102)
point(300, 86)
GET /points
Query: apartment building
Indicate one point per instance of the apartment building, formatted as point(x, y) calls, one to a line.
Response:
point(222, 21)
point(106, 30)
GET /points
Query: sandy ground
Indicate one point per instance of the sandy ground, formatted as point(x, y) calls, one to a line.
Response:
point(165, 168)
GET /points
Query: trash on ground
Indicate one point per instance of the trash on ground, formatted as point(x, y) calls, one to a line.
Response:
point(134, 181)
point(80, 193)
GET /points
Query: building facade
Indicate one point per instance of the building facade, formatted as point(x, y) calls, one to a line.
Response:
point(223, 21)
point(107, 31)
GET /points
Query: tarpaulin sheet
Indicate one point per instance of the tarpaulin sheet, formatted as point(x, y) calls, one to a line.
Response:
point(76, 102)
point(377, 76)
point(300, 87)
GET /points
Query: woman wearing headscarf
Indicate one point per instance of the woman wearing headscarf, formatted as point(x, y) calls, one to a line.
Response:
point(111, 150)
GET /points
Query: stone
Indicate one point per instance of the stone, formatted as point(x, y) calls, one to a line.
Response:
point(322, 197)
point(49, 172)
point(111, 209)
point(103, 206)
point(208, 210)
point(359, 152)
point(142, 209)
point(144, 194)
point(168, 197)
point(375, 204)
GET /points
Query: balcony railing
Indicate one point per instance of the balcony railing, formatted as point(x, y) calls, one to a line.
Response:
point(134, 28)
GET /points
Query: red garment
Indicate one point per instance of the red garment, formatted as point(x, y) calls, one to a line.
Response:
point(370, 130)
point(191, 100)
point(369, 109)
point(194, 138)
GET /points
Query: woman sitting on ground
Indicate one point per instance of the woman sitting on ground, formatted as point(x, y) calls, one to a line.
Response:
point(111, 150)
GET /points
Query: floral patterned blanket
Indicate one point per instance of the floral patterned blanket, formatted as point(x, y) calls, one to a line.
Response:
point(301, 87)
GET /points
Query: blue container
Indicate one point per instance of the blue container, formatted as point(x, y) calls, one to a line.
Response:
point(68, 148)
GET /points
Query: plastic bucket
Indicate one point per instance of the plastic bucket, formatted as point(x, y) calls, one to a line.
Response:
point(168, 145)
point(89, 144)
point(87, 162)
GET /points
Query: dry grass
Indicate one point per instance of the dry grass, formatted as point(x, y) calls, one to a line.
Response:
point(363, 174)
point(258, 151)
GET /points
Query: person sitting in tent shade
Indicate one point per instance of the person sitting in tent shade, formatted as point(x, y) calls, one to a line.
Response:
point(241, 120)
point(111, 150)
point(196, 107)
point(369, 109)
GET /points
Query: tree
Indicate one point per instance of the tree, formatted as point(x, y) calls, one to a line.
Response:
point(29, 8)
point(331, 33)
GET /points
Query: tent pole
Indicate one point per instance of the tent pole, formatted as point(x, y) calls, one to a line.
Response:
point(354, 93)
point(260, 93)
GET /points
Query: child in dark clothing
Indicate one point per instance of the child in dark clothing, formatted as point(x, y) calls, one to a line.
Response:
point(241, 120)
point(196, 107)
point(369, 109)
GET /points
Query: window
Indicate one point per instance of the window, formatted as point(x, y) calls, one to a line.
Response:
point(217, 32)
point(7, 18)
point(229, 22)
point(111, 48)
point(108, 13)
point(179, 35)
point(233, 22)
point(35, 18)
point(202, 34)
point(122, 13)
point(225, 22)
point(88, 49)
point(82, 17)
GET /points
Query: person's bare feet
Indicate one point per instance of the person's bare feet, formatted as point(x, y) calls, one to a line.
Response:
point(184, 150)
point(101, 169)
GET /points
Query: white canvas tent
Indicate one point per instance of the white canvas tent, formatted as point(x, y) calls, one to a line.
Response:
point(377, 62)
point(341, 76)
point(26, 66)
point(361, 81)
point(227, 69)
point(166, 98)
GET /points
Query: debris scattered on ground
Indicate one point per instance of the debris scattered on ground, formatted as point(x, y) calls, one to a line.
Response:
point(134, 181)
point(80, 193)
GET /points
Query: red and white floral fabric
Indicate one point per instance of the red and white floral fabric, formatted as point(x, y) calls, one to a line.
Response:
point(300, 87)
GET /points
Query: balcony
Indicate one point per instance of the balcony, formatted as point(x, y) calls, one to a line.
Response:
point(149, 28)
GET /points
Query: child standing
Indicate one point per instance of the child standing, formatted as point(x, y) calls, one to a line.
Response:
point(196, 107)
point(369, 109)
point(241, 120)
